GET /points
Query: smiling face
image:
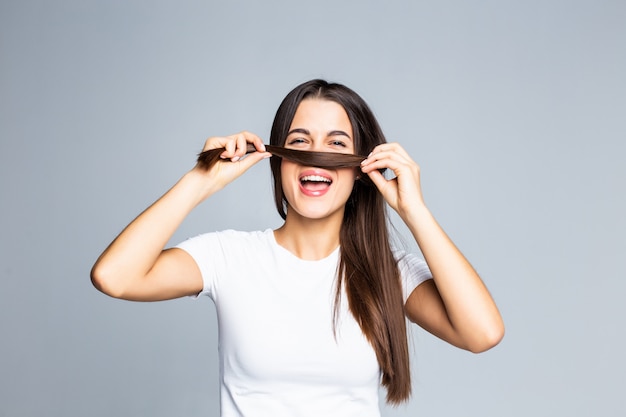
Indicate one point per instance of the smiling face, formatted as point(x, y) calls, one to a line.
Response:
point(311, 192)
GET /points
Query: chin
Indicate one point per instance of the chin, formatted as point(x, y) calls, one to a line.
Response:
point(311, 213)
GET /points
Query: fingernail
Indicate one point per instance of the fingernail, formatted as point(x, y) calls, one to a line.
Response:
point(235, 158)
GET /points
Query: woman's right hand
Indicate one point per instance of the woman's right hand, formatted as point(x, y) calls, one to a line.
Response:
point(234, 160)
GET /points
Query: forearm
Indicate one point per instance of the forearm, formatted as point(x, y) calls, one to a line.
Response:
point(470, 309)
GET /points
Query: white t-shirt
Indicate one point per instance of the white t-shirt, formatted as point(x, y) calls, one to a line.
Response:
point(278, 353)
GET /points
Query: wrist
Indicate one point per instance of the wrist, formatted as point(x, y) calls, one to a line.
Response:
point(417, 215)
point(196, 187)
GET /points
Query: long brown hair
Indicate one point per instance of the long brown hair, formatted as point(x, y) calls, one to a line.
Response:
point(367, 267)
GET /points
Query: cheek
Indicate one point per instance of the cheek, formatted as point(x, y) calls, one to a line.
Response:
point(287, 169)
point(347, 178)
point(348, 174)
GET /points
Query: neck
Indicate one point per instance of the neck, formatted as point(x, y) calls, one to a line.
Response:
point(309, 239)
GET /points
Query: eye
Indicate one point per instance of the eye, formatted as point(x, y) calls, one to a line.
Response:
point(338, 143)
point(296, 141)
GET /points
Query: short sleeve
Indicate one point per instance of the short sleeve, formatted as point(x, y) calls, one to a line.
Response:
point(413, 271)
point(203, 249)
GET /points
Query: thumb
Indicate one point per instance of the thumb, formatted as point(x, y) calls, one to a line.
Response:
point(378, 179)
point(252, 159)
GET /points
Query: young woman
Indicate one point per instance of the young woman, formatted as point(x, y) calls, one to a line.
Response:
point(311, 315)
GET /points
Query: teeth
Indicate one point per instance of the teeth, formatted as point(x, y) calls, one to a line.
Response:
point(315, 178)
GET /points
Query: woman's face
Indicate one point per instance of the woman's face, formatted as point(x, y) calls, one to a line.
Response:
point(311, 192)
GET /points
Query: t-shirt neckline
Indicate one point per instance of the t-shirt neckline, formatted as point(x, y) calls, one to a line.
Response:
point(330, 258)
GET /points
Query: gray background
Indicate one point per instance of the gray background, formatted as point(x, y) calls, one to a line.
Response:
point(514, 110)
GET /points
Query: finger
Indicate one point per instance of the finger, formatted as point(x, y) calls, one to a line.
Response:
point(383, 160)
point(391, 147)
point(386, 149)
point(243, 139)
point(254, 140)
point(236, 145)
point(258, 144)
point(229, 148)
point(241, 146)
point(252, 159)
point(248, 143)
point(215, 142)
point(385, 186)
point(377, 178)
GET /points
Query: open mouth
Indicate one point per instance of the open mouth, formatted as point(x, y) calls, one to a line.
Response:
point(315, 182)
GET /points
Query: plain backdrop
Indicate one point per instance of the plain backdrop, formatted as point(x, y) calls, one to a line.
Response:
point(515, 111)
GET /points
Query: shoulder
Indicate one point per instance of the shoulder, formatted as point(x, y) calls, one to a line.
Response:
point(244, 239)
point(225, 242)
point(410, 263)
point(228, 236)
point(226, 256)
point(413, 271)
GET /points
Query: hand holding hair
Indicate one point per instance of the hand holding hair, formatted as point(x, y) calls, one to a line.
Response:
point(403, 192)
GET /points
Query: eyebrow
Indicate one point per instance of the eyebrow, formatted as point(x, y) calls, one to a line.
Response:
point(331, 133)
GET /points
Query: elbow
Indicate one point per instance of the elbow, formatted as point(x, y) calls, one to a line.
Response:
point(489, 338)
point(104, 282)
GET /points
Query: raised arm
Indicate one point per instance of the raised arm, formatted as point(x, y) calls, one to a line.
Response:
point(455, 306)
point(136, 266)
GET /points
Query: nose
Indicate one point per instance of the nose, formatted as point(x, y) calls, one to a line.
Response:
point(317, 145)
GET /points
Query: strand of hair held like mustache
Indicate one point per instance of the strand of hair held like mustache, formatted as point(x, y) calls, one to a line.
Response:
point(207, 159)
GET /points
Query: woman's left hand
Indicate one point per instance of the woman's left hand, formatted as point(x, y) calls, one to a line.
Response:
point(404, 190)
